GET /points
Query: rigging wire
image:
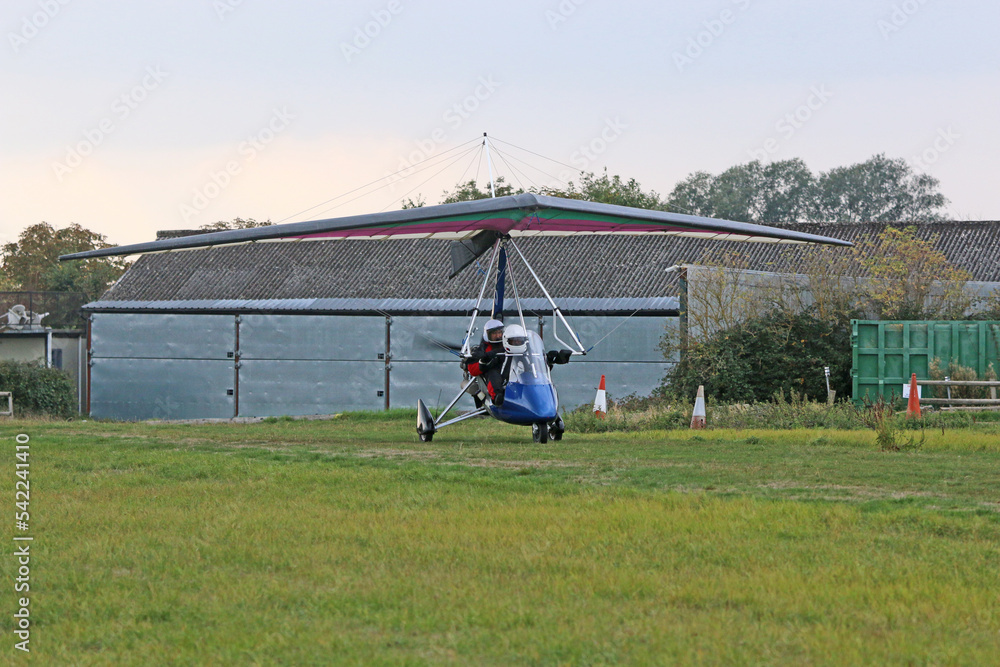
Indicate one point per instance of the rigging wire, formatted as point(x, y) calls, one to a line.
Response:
point(528, 164)
point(460, 156)
point(448, 160)
point(539, 155)
point(513, 173)
point(479, 166)
point(479, 157)
point(674, 208)
point(295, 215)
point(386, 185)
point(613, 330)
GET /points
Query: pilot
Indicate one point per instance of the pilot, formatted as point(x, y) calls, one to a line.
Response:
point(487, 360)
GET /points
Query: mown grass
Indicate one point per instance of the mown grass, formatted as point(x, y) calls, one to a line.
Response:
point(349, 542)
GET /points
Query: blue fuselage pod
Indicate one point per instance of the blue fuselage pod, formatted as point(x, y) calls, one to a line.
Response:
point(527, 404)
point(530, 397)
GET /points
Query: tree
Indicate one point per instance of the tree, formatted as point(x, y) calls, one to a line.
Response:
point(877, 190)
point(235, 223)
point(777, 192)
point(469, 191)
point(693, 195)
point(908, 278)
point(32, 262)
point(604, 189)
point(788, 188)
point(609, 190)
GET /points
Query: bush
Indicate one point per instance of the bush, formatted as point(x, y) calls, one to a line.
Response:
point(957, 371)
point(778, 351)
point(38, 390)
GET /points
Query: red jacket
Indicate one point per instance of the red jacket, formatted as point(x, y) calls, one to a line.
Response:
point(479, 353)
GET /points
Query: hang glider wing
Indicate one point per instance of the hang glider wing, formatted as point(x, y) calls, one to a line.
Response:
point(476, 223)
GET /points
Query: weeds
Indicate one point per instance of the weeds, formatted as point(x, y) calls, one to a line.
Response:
point(960, 373)
point(784, 412)
point(880, 417)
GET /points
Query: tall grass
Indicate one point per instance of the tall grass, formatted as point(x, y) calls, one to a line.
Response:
point(782, 412)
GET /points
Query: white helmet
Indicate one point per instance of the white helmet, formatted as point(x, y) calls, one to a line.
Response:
point(493, 331)
point(515, 340)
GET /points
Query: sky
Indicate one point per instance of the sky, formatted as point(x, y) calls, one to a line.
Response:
point(133, 117)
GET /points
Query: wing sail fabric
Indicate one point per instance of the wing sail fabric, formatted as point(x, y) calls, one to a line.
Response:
point(523, 215)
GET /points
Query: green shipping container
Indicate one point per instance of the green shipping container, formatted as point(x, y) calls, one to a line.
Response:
point(886, 353)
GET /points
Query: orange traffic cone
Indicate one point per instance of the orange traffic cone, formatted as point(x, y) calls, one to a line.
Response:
point(601, 402)
point(698, 417)
point(913, 406)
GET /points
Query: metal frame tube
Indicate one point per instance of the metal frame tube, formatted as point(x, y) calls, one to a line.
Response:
point(466, 347)
point(437, 421)
point(489, 163)
point(388, 360)
point(79, 373)
point(517, 298)
point(468, 415)
point(555, 309)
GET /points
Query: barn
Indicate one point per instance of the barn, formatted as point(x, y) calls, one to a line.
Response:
point(274, 329)
point(318, 328)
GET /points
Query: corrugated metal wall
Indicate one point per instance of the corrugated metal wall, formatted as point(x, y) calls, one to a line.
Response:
point(629, 357)
point(162, 366)
point(171, 366)
point(886, 352)
point(310, 364)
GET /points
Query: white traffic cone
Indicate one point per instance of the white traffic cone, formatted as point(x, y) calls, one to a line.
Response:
point(698, 417)
point(601, 402)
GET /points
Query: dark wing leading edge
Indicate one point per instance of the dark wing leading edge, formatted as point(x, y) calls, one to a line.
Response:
point(477, 223)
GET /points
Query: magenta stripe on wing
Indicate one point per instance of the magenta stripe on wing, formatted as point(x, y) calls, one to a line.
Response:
point(504, 226)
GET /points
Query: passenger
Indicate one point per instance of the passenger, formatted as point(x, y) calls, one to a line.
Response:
point(487, 361)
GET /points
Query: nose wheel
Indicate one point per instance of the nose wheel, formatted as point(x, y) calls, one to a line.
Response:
point(540, 433)
point(557, 428)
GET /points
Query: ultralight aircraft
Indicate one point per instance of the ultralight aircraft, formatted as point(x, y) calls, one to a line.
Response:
point(493, 226)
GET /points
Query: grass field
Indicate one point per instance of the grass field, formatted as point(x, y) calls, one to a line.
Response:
point(350, 542)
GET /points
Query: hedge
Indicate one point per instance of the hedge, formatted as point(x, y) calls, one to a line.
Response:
point(38, 390)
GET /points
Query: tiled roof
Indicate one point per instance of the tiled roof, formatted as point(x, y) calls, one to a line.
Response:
point(581, 266)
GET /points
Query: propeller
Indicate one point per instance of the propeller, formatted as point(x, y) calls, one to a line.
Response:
point(428, 342)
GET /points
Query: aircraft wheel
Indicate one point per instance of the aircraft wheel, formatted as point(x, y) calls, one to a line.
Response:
point(540, 433)
point(557, 428)
point(426, 437)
